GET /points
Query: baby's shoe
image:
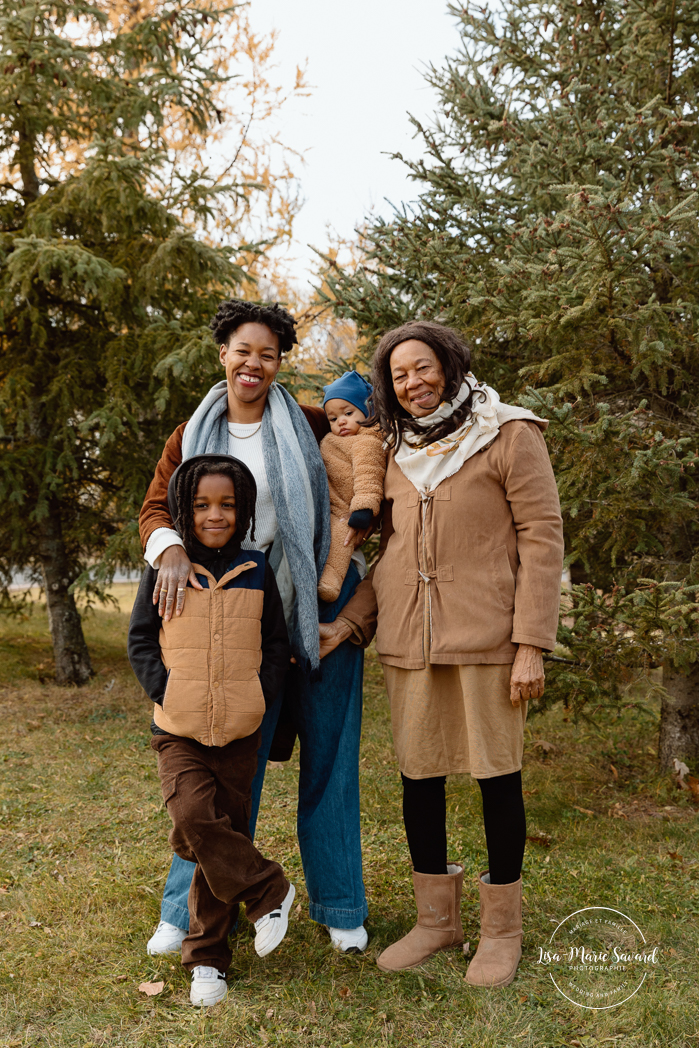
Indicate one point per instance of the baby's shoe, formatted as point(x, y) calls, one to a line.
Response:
point(271, 929)
point(349, 940)
point(208, 986)
point(330, 584)
point(167, 938)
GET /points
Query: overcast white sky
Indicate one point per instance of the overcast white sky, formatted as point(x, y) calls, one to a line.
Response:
point(365, 62)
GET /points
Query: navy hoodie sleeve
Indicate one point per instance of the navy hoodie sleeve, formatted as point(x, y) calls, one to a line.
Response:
point(144, 643)
point(276, 651)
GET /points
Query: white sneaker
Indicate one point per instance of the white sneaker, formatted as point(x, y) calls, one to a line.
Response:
point(271, 929)
point(167, 938)
point(349, 940)
point(208, 986)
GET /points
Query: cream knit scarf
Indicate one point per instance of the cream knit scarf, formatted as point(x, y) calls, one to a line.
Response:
point(426, 467)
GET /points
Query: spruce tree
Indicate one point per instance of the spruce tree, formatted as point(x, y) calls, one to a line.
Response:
point(105, 290)
point(556, 226)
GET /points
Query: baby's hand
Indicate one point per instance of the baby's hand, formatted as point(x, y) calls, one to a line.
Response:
point(361, 519)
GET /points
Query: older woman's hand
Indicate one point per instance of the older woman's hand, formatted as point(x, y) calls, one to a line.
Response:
point(527, 679)
point(332, 634)
point(356, 536)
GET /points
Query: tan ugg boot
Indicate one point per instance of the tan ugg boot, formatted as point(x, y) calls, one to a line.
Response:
point(438, 898)
point(500, 948)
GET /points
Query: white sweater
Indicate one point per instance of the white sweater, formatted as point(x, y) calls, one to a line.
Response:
point(248, 450)
point(244, 443)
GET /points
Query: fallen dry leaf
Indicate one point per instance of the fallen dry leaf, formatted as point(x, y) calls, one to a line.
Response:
point(547, 747)
point(614, 772)
point(312, 1007)
point(544, 839)
point(682, 770)
point(585, 811)
point(344, 991)
point(676, 856)
point(121, 978)
point(269, 1013)
point(467, 948)
point(693, 785)
point(152, 989)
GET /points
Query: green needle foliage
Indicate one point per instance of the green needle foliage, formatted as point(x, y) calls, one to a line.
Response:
point(556, 226)
point(101, 281)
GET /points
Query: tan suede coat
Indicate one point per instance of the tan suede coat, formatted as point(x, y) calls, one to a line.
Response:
point(489, 544)
point(212, 653)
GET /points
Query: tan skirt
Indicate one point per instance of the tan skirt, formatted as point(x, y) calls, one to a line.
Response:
point(455, 720)
point(451, 720)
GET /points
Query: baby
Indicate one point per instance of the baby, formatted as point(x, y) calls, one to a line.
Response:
point(355, 462)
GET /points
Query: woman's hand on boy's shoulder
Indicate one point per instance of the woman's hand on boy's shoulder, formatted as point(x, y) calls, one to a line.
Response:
point(174, 572)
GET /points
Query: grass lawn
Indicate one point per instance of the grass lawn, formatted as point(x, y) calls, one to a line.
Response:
point(84, 855)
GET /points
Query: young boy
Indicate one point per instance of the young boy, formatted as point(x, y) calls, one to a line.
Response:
point(356, 468)
point(209, 673)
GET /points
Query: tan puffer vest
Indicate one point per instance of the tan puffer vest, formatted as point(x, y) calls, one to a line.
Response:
point(213, 653)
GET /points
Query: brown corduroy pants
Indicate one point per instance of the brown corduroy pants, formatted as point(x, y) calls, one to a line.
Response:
point(207, 792)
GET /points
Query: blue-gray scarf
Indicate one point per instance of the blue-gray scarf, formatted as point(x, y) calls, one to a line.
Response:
point(299, 487)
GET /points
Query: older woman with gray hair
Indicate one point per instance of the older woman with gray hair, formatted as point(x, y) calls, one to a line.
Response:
point(466, 594)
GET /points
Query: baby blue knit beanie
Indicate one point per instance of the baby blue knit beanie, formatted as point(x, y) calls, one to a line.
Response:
point(352, 388)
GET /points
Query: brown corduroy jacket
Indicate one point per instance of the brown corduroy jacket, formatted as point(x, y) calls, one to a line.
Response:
point(490, 542)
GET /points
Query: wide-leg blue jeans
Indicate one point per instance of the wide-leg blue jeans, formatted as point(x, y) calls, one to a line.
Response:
point(328, 715)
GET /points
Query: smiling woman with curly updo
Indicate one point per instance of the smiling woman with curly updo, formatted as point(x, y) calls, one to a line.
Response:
point(253, 418)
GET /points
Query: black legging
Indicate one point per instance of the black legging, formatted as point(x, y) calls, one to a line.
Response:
point(425, 816)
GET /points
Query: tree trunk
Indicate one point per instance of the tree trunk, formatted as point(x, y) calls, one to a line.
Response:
point(72, 658)
point(679, 716)
point(26, 156)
